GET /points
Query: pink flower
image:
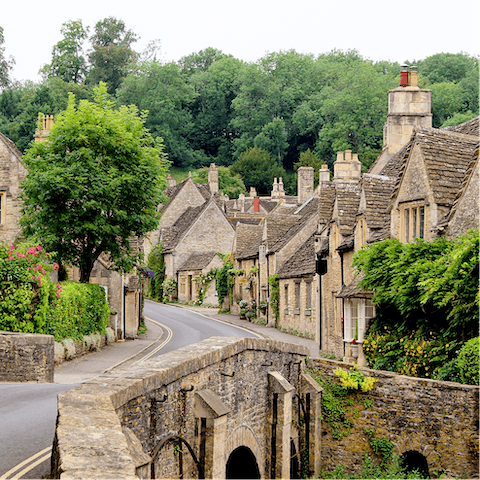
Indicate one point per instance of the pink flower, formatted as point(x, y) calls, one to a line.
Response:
point(56, 266)
point(39, 248)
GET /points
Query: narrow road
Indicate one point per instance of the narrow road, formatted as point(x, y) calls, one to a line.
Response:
point(28, 411)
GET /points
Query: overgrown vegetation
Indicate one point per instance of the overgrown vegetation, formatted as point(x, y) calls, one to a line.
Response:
point(31, 303)
point(274, 294)
point(155, 273)
point(203, 282)
point(427, 304)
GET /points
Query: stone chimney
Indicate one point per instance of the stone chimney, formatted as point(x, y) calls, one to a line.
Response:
point(324, 174)
point(44, 125)
point(213, 178)
point(253, 192)
point(241, 202)
point(347, 167)
point(278, 191)
point(171, 182)
point(306, 180)
point(408, 106)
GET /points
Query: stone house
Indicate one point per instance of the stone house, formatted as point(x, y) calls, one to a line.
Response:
point(192, 270)
point(12, 172)
point(200, 229)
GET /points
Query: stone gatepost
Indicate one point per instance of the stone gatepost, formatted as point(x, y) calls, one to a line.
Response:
point(312, 396)
point(211, 414)
point(280, 419)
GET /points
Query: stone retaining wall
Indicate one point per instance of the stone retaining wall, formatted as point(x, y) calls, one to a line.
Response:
point(26, 357)
point(436, 419)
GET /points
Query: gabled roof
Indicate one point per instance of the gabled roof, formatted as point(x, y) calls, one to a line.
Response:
point(301, 263)
point(304, 214)
point(447, 157)
point(346, 206)
point(171, 236)
point(354, 290)
point(375, 199)
point(325, 202)
point(248, 239)
point(467, 128)
point(197, 261)
point(172, 192)
point(11, 146)
point(278, 227)
point(396, 164)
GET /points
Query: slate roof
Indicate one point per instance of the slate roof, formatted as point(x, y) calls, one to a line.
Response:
point(11, 145)
point(305, 213)
point(353, 290)
point(348, 199)
point(172, 192)
point(248, 239)
point(447, 157)
point(377, 191)
point(280, 228)
point(171, 236)
point(197, 261)
point(325, 202)
point(394, 167)
point(301, 263)
point(467, 128)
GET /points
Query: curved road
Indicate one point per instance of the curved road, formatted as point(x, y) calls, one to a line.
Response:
point(28, 411)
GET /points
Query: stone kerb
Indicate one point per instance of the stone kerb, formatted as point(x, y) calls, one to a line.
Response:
point(26, 357)
point(437, 419)
point(89, 440)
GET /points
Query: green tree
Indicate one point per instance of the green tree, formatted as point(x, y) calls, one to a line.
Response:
point(212, 111)
point(447, 67)
point(112, 52)
point(201, 61)
point(447, 99)
point(94, 184)
point(273, 138)
point(5, 63)
point(257, 169)
point(165, 93)
point(309, 159)
point(229, 184)
point(68, 60)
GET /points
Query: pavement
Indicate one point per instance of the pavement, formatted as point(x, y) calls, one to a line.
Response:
point(108, 358)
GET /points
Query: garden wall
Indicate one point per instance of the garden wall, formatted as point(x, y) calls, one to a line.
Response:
point(438, 420)
point(26, 357)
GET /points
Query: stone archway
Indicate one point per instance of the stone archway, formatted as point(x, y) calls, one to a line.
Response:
point(415, 461)
point(242, 464)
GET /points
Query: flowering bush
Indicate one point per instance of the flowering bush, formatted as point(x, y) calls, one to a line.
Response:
point(243, 304)
point(355, 380)
point(26, 289)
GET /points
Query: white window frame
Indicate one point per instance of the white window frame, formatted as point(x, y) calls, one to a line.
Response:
point(358, 310)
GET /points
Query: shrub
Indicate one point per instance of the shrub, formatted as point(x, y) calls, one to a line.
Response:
point(468, 363)
point(169, 289)
point(26, 289)
point(81, 310)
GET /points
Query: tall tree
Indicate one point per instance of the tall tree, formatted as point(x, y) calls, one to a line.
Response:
point(68, 60)
point(112, 52)
point(201, 61)
point(165, 93)
point(94, 184)
point(5, 63)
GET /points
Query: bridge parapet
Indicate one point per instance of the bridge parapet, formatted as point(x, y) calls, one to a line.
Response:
point(224, 403)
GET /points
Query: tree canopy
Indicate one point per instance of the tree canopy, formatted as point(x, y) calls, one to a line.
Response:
point(94, 184)
point(5, 63)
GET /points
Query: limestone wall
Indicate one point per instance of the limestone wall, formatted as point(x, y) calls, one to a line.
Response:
point(436, 419)
point(26, 357)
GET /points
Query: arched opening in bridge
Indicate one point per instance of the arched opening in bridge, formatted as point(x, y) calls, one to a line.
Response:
point(415, 461)
point(294, 462)
point(242, 464)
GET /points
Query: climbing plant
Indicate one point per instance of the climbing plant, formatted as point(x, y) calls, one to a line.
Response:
point(274, 294)
point(203, 282)
point(155, 273)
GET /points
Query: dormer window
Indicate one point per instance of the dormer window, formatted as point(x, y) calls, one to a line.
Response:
point(412, 221)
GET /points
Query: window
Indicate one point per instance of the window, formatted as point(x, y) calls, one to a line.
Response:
point(308, 305)
point(413, 222)
point(358, 312)
point(3, 209)
point(286, 296)
point(297, 297)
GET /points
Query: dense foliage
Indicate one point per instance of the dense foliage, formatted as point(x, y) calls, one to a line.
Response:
point(211, 107)
point(427, 303)
point(30, 302)
point(80, 310)
point(228, 183)
point(94, 184)
point(156, 273)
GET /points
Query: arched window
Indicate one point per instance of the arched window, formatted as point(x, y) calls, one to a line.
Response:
point(242, 464)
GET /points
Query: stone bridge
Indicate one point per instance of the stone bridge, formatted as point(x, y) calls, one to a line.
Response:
point(222, 408)
point(245, 408)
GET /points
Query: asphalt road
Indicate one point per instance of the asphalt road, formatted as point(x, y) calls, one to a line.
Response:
point(28, 411)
